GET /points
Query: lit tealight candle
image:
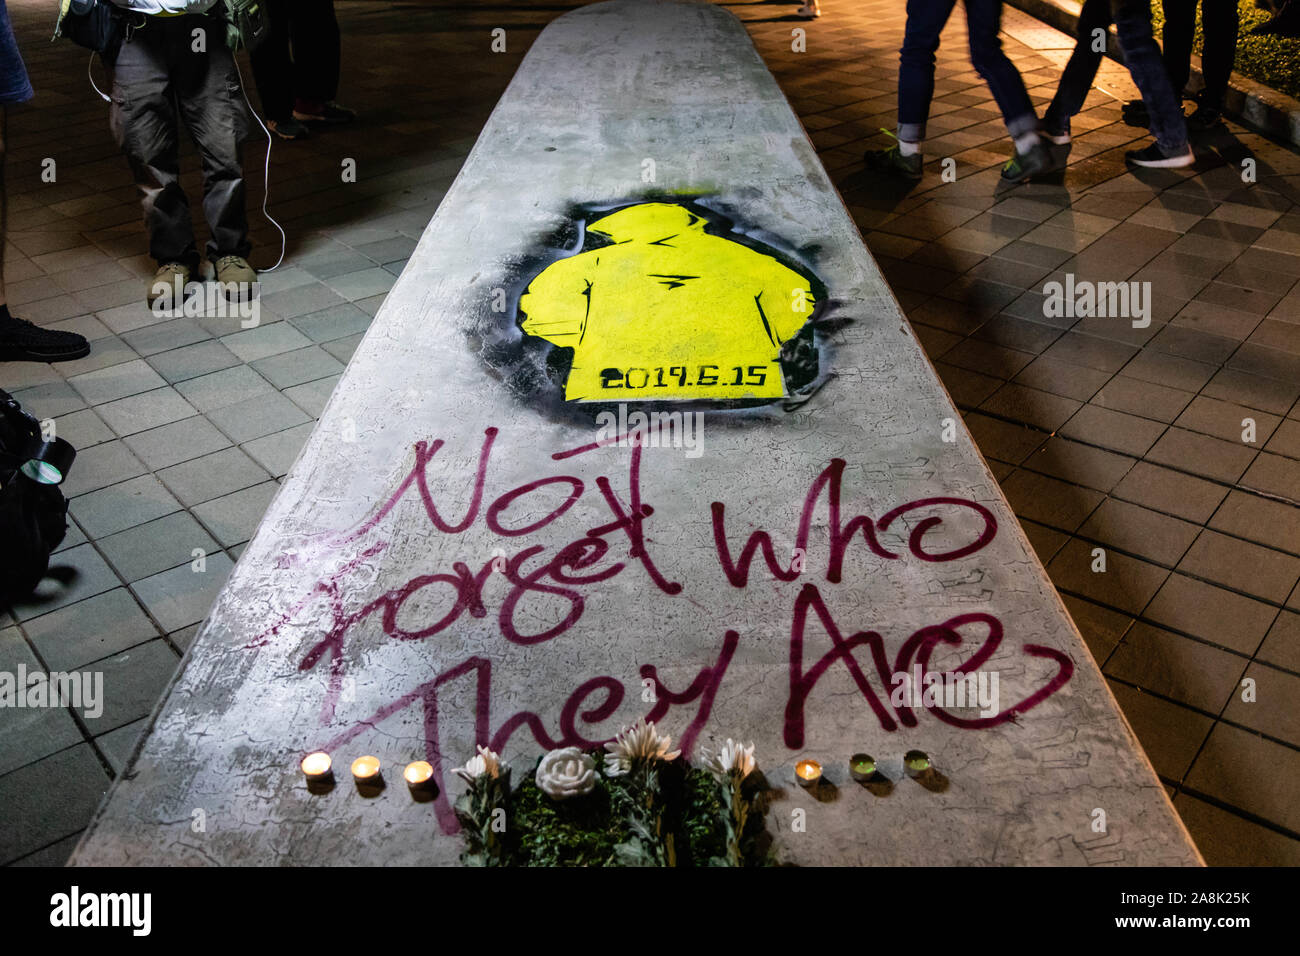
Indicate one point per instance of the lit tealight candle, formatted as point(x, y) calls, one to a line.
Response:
point(317, 767)
point(365, 771)
point(418, 774)
point(862, 767)
point(809, 772)
point(917, 762)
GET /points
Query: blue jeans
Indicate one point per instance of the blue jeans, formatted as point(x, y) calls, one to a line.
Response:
point(1132, 19)
point(14, 85)
point(925, 21)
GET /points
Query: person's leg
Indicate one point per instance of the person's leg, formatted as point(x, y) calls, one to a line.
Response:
point(925, 21)
point(983, 22)
point(916, 59)
point(1219, 50)
point(212, 106)
point(1080, 70)
point(329, 43)
point(15, 88)
point(272, 67)
point(1176, 38)
point(4, 203)
point(316, 55)
point(1143, 60)
point(20, 340)
point(144, 124)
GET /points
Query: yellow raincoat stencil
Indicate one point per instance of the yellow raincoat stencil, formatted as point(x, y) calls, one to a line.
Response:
point(668, 311)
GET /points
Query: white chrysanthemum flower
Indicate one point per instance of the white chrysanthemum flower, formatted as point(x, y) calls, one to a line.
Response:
point(485, 763)
point(639, 742)
point(734, 756)
point(567, 772)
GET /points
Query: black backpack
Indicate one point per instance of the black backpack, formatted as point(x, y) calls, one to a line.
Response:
point(33, 515)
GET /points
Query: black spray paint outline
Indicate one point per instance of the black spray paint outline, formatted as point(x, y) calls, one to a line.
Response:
point(533, 370)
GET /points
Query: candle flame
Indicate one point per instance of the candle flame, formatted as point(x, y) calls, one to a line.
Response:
point(418, 772)
point(313, 765)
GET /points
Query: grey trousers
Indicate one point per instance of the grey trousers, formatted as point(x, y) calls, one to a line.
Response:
point(159, 81)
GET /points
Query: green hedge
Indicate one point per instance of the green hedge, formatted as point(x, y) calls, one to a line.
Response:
point(1273, 61)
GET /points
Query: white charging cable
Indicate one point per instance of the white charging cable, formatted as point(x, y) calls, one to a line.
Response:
point(266, 171)
point(91, 76)
point(266, 181)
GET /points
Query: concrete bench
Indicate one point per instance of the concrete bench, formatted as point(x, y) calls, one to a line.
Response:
point(470, 550)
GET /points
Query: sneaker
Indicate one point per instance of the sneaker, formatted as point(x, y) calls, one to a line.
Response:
point(810, 10)
point(235, 275)
point(287, 128)
point(21, 341)
point(1024, 165)
point(1134, 113)
point(170, 280)
point(309, 111)
point(1154, 157)
point(893, 161)
point(1204, 118)
point(1058, 146)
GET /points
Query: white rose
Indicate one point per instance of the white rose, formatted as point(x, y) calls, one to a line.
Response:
point(567, 772)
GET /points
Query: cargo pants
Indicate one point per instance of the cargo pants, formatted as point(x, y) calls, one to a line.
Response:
point(159, 82)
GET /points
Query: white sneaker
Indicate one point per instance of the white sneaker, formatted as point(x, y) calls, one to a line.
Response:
point(810, 10)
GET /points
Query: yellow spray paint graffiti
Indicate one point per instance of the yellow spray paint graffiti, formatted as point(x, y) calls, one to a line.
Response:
point(668, 311)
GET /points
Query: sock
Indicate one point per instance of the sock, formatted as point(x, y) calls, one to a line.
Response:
point(1026, 142)
point(908, 149)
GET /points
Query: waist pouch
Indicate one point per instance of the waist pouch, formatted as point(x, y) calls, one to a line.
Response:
point(246, 23)
point(94, 24)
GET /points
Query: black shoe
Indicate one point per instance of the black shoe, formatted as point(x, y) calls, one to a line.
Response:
point(1058, 146)
point(1024, 165)
point(1153, 157)
point(1134, 113)
point(21, 341)
point(1204, 118)
point(893, 162)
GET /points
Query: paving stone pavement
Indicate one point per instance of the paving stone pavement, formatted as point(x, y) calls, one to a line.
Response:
point(1103, 435)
